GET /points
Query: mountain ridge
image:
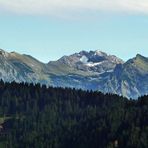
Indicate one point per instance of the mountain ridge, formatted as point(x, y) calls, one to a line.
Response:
point(93, 70)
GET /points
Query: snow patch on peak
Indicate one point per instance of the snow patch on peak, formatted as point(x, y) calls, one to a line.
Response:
point(84, 59)
point(91, 64)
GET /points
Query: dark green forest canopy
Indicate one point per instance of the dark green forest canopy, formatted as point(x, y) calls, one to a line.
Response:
point(34, 116)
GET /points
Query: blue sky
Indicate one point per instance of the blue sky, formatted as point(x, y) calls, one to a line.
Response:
point(48, 30)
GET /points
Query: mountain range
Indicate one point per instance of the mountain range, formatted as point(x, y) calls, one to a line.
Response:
point(93, 70)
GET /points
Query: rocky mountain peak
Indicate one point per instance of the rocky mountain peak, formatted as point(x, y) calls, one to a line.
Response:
point(141, 62)
point(90, 61)
point(92, 53)
point(100, 53)
point(140, 57)
point(3, 53)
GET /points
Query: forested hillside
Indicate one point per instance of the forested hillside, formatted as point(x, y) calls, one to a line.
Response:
point(39, 117)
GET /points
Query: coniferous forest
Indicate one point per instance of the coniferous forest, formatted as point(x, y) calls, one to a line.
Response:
point(34, 116)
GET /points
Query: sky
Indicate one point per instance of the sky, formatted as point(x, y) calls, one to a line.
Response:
point(49, 29)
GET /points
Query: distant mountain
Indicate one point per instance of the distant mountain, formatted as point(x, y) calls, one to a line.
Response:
point(94, 70)
point(89, 62)
point(129, 79)
point(17, 67)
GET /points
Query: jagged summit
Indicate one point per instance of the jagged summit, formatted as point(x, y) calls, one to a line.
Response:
point(89, 61)
point(91, 52)
point(1, 50)
point(140, 57)
point(100, 53)
point(3, 53)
